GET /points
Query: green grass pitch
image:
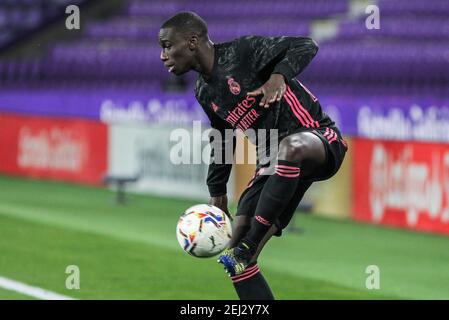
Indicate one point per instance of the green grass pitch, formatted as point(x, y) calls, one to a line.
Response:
point(131, 251)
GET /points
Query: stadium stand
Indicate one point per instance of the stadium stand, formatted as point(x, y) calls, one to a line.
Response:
point(21, 17)
point(122, 50)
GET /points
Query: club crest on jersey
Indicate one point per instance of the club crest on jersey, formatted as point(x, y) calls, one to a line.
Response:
point(214, 107)
point(234, 86)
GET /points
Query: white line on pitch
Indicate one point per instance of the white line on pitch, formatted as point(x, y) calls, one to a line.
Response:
point(35, 292)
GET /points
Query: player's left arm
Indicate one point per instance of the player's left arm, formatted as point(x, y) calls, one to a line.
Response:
point(288, 56)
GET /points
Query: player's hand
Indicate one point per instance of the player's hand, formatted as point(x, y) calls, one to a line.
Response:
point(273, 90)
point(222, 203)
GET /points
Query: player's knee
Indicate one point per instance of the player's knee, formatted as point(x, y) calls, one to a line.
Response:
point(293, 148)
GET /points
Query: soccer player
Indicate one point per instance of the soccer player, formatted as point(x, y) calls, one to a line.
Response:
point(249, 83)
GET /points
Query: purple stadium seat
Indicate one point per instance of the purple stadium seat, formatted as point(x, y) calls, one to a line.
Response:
point(411, 47)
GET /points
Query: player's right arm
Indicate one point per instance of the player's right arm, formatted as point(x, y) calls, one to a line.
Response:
point(220, 166)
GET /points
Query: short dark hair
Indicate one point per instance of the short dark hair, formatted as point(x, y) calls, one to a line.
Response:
point(187, 22)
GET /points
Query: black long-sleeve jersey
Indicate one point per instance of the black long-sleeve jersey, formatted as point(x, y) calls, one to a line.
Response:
point(243, 65)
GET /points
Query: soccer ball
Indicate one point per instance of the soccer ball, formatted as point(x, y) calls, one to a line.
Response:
point(203, 231)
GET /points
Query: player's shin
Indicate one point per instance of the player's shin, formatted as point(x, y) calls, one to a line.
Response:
point(276, 194)
point(251, 285)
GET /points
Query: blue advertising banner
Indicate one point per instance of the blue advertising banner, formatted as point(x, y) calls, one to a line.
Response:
point(107, 106)
point(375, 117)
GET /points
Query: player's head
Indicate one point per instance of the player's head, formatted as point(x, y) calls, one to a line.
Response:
point(180, 37)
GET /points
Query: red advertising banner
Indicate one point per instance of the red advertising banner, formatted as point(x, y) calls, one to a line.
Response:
point(404, 184)
point(63, 149)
